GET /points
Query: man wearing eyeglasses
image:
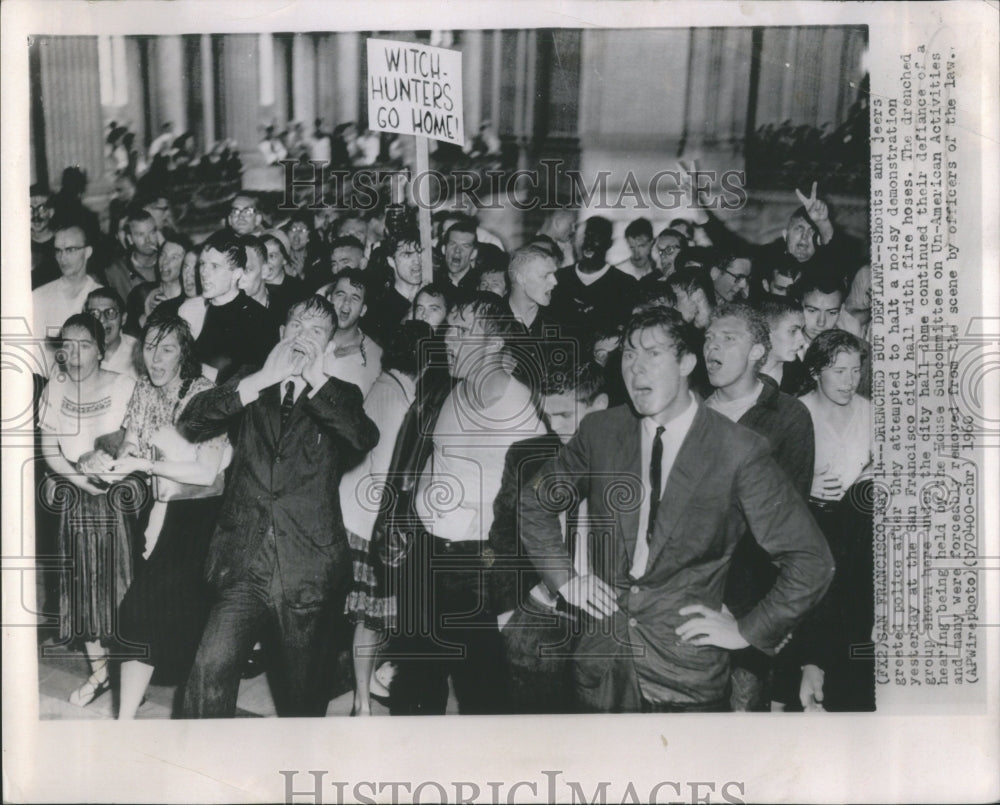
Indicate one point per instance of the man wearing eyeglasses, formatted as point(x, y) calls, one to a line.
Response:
point(244, 216)
point(56, 301)
point(105, 305)
point(731, 278)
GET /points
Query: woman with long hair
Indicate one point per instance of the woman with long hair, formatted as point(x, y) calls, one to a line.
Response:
point(81, 407)
point(825, 667)
point(165, 608)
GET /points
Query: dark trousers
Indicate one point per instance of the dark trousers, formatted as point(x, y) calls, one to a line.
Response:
point(447, 631)
point(254, 608)
point(539, 642)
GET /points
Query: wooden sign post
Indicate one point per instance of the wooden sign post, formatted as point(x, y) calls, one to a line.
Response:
point(416, 90)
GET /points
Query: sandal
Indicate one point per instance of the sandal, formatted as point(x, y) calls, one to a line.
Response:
point(90, 691)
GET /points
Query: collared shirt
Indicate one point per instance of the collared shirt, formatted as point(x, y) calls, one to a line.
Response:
point(673, 437)
point(734, 409)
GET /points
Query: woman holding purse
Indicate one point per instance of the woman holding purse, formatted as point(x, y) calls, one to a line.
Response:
point(165, 608)
point(81, 404)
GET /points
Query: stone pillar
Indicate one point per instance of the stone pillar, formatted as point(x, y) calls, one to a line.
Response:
point(348, 78)
point(171, 85)
point(207, 92)
point(472, 77)
point(304, 79)
point(71, 99)
point(240, 88)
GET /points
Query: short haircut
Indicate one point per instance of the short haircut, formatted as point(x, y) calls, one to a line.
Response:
point(598, 225)
point(438, 289)
point(138, 215)
point(638, 228)
point(172, 236)
point(159, 325)
point(39, 189)
point(602, 332)
point(658, 294)
point(799, 213)
point(269, 238)
point(68, 225)
point(86, 322)
point(689, 280)
point(492, 258)
point(404, 236)
point(776, 308)
point(464, 224)
point(356, 277)
point(301, 217)
point(786, 268)
point(525, 255)
point(230, 245)
point(109, 294)
point(255, 244)
point(821, 281)
point(401, 347)
point(547, 245)
point(823, 352)
point(723, 260)
point(682, 335)
point(347, 242)
point(756, 324)
point(313, 306)
point(673, 233)
point(586, 383)
point(493, 313)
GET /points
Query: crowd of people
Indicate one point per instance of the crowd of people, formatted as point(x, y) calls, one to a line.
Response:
point(561, 485)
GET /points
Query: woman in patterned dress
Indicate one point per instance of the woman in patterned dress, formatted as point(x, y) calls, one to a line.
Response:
point(165, 608)
point(80, 404)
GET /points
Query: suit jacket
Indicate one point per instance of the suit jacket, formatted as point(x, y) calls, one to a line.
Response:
point(722, 481)
point(286, 481)
point(513, 575)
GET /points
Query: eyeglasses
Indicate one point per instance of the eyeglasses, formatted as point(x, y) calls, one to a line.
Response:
point(301, 229)
point(738, 278)
point(108, 314)
point(669, 250)
point(242, 212)
point(39, 208)
point(69, 250)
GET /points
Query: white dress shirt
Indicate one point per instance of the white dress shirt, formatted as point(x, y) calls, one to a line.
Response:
point(673, 437)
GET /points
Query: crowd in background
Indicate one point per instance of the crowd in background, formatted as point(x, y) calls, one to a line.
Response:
point(286, 430)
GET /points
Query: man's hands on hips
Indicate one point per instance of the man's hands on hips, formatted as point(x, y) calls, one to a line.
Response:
point(710, 628)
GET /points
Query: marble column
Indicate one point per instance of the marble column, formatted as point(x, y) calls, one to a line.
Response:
point(207, 91)
point(240, 87)
point(348, 75)
point(170, 84)
point(304, 79)
point(71, 99)
point(472, 76)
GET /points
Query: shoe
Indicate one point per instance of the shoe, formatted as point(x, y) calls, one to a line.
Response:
point(255, 664)
point(90, 691)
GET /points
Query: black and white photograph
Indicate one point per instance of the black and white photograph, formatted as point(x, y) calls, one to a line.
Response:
point(547, 372)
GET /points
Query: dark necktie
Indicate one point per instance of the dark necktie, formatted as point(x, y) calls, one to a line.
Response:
point(641, 555)
point(655, 479)
point(287, 403)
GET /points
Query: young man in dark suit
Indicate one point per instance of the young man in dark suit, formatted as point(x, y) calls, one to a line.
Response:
point(279, 556)
point(660, 573)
